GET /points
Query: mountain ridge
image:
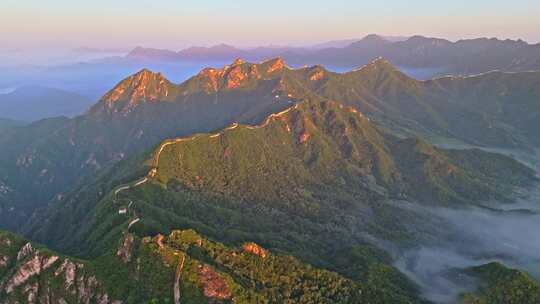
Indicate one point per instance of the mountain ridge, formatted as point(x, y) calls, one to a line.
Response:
point(304, 161)
point(247, 93)
point(465, 56)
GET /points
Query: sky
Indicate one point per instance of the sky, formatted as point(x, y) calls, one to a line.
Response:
point(179, 23)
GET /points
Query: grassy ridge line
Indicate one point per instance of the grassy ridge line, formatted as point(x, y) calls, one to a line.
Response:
point(167, 143)
point(233, 126)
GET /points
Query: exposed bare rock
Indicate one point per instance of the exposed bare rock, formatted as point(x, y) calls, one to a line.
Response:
point(238, 61)
point(40, 277)
point(214, 286)
point(255, 249)
point(125, 250)
point(317, 74)
point(32, 267)
point(236, 77)
point(212, 77)
point(145, 85)
point(86, 288)
point(159, 241)
point(304, 137)
point(4, 189)
point(275, 65)
point(25, 251)
point(3, 261)
point(5, 242)
point(69, 269)
point(31, 291)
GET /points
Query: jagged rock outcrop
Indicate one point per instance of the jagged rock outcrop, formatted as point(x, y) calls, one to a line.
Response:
point(40, 276)
point(25, 251)
point(239, 74)
point(214, 286)
point(32, 267)
point(3, 261)
point(255, 250)
point(144, 86)
point(69, 271)
point(125, 251)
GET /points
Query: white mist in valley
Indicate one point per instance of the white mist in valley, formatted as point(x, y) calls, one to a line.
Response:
point(472, 237)
point(463, 238)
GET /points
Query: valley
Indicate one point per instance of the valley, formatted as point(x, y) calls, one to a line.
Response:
point(212, 189)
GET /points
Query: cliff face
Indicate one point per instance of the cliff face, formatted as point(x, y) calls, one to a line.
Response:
point(31, 275)
point(183, 267)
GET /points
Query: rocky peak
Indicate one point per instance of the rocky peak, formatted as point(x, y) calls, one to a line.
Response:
point(40, 276)
point(238, 74)
point(274, 65)
point(378, 65)
point(238, 61)
point(232, 76)
point(25, 251)
point(235, 77)
point(31, 267)
point(380, 62)
point(255, 249)
point(125, 251)
point(211, 78)
point(371, 41)
point(317, 73)
point(143, 86)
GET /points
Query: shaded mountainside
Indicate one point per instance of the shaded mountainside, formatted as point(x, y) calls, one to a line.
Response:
point(502, 285)
point(33, 103)
point(314, 180)
point(9, 123)
point(317, 159)
point(183, 267)
point(45, 160)
point(124, 123)
point(51, 157)
point(322, 179)
point(494, 109)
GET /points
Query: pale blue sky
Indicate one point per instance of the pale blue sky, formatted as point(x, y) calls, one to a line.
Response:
point(174, 24)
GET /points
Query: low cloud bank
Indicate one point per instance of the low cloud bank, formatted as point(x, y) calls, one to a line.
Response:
point(472, 237)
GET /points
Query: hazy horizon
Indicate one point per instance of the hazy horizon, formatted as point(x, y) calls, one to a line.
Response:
point(174, 25)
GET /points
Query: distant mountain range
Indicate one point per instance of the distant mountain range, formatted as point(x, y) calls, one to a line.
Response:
point(31, 103)
point(464, 57)
point(6, 123)
point(347, 42)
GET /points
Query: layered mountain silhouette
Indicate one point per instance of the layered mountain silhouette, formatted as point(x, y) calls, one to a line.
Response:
point(32, 103)
point(469, 56)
